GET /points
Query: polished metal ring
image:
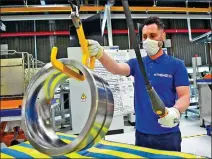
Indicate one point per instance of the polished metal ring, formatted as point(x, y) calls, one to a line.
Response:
point(36, 118)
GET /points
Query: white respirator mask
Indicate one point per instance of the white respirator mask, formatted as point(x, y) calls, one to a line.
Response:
point(152, 46)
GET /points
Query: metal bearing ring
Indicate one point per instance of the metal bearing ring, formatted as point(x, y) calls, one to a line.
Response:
point(36, 118)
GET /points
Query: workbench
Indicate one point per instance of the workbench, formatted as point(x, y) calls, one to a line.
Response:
point(104, 149)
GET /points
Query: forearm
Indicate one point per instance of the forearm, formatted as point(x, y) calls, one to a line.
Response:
point(182, 103)
point(110, 64)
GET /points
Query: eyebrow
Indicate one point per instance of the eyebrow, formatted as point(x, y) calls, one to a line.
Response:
point(151, 34)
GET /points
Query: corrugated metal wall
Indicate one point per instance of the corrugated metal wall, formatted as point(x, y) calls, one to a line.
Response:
point(182, 48)
point(43, 43)
point(182, 24)
point(185, 50)
point(20, 44)
point(26, 44)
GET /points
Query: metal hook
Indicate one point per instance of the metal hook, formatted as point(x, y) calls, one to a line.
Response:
point(61, 67)
point(74, 4)
point(86, 60)
point(25, 3)
point(155, 3)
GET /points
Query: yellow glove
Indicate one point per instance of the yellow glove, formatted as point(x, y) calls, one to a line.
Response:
point(95, 49)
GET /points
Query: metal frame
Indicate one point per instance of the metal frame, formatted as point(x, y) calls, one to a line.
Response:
point(29, 64)
point(107, 19)
point(58, 109)
point(57, 8)
point(109, 26)
point(206, 36)
point(85, 16)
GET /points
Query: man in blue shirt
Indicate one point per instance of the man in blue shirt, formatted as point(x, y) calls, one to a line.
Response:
point(169, 77)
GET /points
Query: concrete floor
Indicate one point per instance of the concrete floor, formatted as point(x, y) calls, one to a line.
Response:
point(201, 145)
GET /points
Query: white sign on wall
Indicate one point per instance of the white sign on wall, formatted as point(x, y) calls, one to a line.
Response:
point(121, 86)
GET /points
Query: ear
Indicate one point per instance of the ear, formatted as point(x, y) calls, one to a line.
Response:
point(164, 36)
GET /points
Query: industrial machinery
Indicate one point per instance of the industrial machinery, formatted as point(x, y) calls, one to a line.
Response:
point(121, 87)
point(20, 66)
point(204, 90)
point(60, 109)
point(39, 122)
point(36, 116)
point(194, 74)
point(197, 73)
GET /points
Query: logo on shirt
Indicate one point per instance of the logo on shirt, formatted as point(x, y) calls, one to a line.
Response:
point(163, 75)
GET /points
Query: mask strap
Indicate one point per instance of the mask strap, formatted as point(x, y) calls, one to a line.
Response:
point(160, 44)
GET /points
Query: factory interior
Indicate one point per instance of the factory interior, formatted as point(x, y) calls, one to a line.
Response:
point(58, 101)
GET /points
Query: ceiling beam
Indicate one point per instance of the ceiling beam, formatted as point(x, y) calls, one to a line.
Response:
point(101, 8)
point(85, 16)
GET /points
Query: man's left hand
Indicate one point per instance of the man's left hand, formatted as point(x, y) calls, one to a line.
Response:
point(171, 119)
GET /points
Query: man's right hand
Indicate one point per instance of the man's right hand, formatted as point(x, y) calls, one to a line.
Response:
point(95, 49)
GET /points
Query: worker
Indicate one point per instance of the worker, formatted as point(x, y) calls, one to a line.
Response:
point(169, 77)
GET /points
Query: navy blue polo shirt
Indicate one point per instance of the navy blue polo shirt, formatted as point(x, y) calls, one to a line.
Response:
point(165, 74)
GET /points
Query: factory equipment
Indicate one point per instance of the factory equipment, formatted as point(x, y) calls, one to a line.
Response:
point(60, 109)
point(24, 63)
point(198, 72)
point(12, 69)
point(196, 62)
point(121, 87)
point(37, 122)
point(194, 75)
point(37, 102)
point(204, 90)
point(17, 69)
point(80, 96)
point(20, 66)
point(93, 30)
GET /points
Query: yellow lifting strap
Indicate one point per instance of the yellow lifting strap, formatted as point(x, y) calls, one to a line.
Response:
point(89, 62)
point(86, 59)
point(61, 67)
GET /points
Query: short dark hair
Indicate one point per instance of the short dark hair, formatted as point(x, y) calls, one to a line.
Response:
point(154, 20)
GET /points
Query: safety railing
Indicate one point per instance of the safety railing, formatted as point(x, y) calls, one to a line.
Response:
point(30, 65)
